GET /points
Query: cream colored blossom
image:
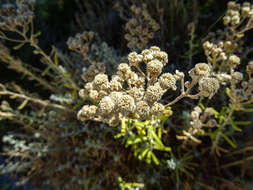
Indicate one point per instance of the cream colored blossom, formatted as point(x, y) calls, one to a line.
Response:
point(143, 110)
point(208, 87)
point(94, 95)
point(155, 49)
point(202, 69)
point(154, 93)
point(157, 109)
point(147, 55)
point(101, 81)
point(106, 105)
point(223, 78)
point(115, 96)
point(126, 105)
point(234, 60)
point(249, 68)
point(167, 81)
point(237, 76)
point(137, 93)
point(178, 75)
point(87, 112)
point(115, 85)
point(134, 59)
point(123, 71)
point(154, 67)
point(161, 56)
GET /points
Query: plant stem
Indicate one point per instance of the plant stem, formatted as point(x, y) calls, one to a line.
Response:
point(183, 93)
point(41, 52)
point(221, 128)
point(44, 103)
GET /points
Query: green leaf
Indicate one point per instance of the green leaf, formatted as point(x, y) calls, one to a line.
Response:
point(45, 71)
point(19, 46)
point(133, 141)
point(202, 106)
point(157, 139)
point(123, 126)
point(148, 160)
point(154, 158)
point(242, 122)
point(235, 126)
point(139, 124)
point(162, 148)
point(186, 158)
point(37, 34)
point(229, 141)
point(36, 52)
point(216, 113)
point(227, 91)
point(159, 133)
point(186, 172)
point(246, 109)
point(56, 60)
point(143, 153)
point(118, 135)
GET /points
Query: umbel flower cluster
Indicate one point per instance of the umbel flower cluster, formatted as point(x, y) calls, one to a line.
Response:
point(133, 93)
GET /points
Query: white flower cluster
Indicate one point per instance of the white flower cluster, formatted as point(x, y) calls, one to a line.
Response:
point(135, 92)
point(236, 13)
point(199, 119)
point(172, 164)
point(129, 93)
point(81, 42)
point(208, 86)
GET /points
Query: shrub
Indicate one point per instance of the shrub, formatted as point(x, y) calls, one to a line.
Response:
point(102, 110)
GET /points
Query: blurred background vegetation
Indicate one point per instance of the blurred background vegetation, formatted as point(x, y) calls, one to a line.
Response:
point(184, 25)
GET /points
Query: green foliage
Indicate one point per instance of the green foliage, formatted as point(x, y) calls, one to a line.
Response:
point(145, 141)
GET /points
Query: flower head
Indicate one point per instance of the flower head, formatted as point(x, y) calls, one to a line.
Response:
point(208, 86)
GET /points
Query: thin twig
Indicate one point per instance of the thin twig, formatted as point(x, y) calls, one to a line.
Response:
point(44, 103)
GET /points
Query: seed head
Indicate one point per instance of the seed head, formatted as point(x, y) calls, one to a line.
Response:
point(212, 123)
